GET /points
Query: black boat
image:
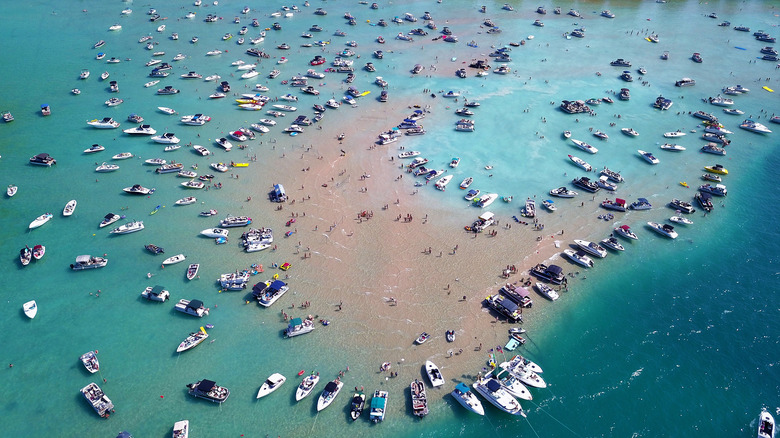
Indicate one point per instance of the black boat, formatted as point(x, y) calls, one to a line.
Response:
point(154, 249)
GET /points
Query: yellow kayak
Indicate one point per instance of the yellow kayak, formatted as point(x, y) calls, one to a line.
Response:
point(768, 89)
point(683, 183)
point(246, 101)
point(239, 164)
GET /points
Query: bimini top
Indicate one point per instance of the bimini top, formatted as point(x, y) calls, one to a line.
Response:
point(157, 290)
point(298, 321)
point(277, 285)
point(509, 305)
point(195, 304)
point(462, 388)
point(493, 385)
point(555, 269)
point(523, 292)
point(331, 386)
point(378, 403)
point(206, 385)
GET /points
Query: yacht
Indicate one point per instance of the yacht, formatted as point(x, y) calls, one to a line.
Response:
point(563, 192)
point(306, 386)
point(434, 375)
point(486, 200)
point(467, 399)
point(717, 168)
point(167, 90)
point(685, 82)
point(751, 125)
point(166, 138)
point(721, 101)
point(612, 243)
point(581, 163)
point(298, 326)
point(271, 384)
point(629, 132)
point(378, 406)
point(156, 293)
point(105, 123)
point(579, 257)
point(141, 130)
point(681, 220)
point(192, 307)
point(591, 248)
point(766, 425)
point(94, 148)
point(586, 184)
point(43, 160)
point(547, 291)
point(130, 227)
point(209, 390)
point(648, 157)
point(672, 147)
point(625, 231)
point(493, 392)
point(663, 229)
point(329, 394)
point(98, 399)
point(88, 262)
point(40, 220)
point(674, 134)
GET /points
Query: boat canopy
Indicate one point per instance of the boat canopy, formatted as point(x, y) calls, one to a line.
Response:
point(554, 270)
point(195, 304)
point(331, 386)
point(523, 292)
point(493, 385)
point(258, 289)
point(206, 385)
point(278, 285)
point(625, 227)
point(510, 305)
point(279, 194)
point(157, 290)
point(378, 402)
point(83, 258)
point(298, 321)
point(643, 200)
point(486, 216)
point(620, 201)
point(462, 388)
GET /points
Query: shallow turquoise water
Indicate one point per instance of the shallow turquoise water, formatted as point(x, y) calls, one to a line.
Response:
point(673, 338)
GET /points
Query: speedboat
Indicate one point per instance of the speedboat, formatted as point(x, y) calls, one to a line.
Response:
point(306, 386)
point(94, 148)
point(629, 132)
point(717, 189)
point(472, 195)
point(625, 231)
point(130, 227)
point(90, 361)
point(586, 184)
point(547, 291)
point(563, 192)
point(591, 248)
point(434, 375)
point(766, 425)
point(683, 206)
point(174, 259)
point(40, 220)
point(648, 157)
point(751, 125)
point(612, 243)
point(663, 229)
point(717, 168)
point(486, 200)
point(137, 189)
point(105, 123)
point(493, 392)
point(30, 309)
point(209, 390)
point(581, 163)
point(378, 406)
point(25, 255)
point(721, 101)
point(641, 204)
point(166, 138)
point(467, 399)
point(357, 404)
point(155, 293)
point(187, 201)
point(192, 271)
point(38, 251)
point(215, 232)
point(674, 134)
point(585, 147)
point(141, 130)
point(329, 394)
point(422, 338)
point(681, 220)
point(579, 257)
point(271, 384)
point(672, 147)
point(192, 307)
point(549, 205)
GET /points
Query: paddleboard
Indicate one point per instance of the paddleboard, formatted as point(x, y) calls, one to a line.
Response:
point(740, 48)
point(364, 93)
point(768, 89)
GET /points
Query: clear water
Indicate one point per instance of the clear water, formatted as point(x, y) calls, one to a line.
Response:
point(670, 338)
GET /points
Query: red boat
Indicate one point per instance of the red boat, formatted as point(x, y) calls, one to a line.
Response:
point(318, 60)
point(290, 222)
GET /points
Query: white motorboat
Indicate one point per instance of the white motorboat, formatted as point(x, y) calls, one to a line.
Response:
point(549, 205)
point(94, 148)
point(612, 243)
point(547, 291)
point(40, 220)
point(174, 259)
point(90, 361)
point(672, 147)
point(137, 189)
point(166, 138)
point(105, 167)
point(192, 271)
point(224, 144)
point(122, 156)
point(201, 150)
point(591, 248)
point(156, 293)
point(467, 399)
point(220, 167)
point(625, 231)
point(209, 390)
point(187, 201)
point(526, 371)
point(563, 192)
point(510, 383)
point(215, 232)
point(98, 400)
point(109, 219)
point(753, 126)
point(11, 190)
point(434, 375)
point(681, 220)
point(155, 162)
point(493, 392)
point(306, 386)
point(130, 227)
point(584, 146)
point(299, 326)
point(141, 130)
point(629, 132)
point(30, 309)
point(378, 406)
point(105, 123)
point(674, 134)
point(286, 108)
point(271, 384)
point(70, 207)
point(663, 229)
point(766, 425)
point(649, 157)
point(329, 394)
point(487, 199)
point(192, 307)
point(579, 257)
point(441, 184)
point(581, 163)
point(181, 429)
